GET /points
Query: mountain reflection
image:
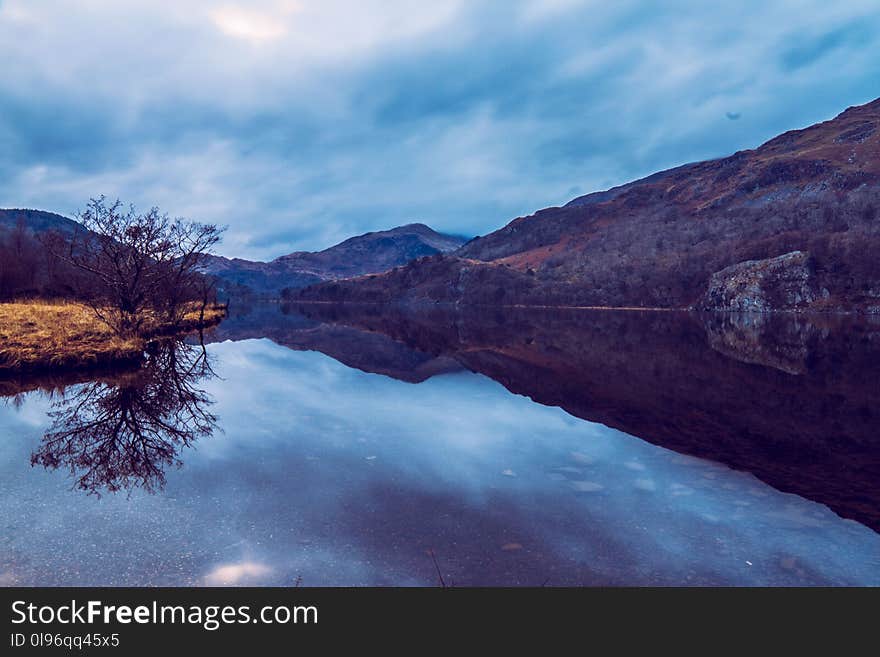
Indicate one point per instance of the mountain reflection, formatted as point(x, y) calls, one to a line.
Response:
point(123, 432)
point(790, 398)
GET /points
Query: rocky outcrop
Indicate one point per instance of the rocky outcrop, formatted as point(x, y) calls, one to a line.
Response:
point(781, 283)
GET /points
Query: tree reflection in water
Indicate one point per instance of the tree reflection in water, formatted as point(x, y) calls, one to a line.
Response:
point(123, 433)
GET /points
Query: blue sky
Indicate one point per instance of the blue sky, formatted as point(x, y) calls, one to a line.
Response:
point(298, 123)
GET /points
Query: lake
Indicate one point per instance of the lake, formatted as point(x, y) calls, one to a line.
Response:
point(348, 446)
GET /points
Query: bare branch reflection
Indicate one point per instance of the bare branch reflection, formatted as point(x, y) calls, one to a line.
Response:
point(123, 433)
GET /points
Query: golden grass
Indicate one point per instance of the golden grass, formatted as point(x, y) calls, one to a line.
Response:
point(47, 335)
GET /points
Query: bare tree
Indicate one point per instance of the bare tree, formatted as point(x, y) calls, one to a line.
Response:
point(138, 263)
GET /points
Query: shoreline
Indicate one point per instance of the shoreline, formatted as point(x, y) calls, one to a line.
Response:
point(683, 309)
point(63, 337)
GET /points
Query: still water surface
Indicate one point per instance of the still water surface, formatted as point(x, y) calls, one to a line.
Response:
point(280, 465)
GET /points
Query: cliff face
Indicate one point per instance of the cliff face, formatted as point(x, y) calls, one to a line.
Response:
point(673, 239)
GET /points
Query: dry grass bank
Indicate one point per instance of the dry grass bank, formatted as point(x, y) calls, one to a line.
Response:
point(40, 335)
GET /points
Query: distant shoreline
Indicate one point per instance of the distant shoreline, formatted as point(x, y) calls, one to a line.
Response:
point(449, 304)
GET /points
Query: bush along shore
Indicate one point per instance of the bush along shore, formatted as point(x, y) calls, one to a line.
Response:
point(40, 335)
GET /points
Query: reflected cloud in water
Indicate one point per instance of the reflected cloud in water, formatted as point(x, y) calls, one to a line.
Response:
point(237, 574)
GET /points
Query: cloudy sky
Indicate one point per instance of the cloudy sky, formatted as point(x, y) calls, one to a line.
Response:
point(298, 123)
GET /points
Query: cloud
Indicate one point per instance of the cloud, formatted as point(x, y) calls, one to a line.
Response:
point(255, 26)
point(301, 123)
point(805, 51)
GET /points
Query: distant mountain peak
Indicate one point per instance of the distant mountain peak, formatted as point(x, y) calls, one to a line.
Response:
point(415, 226)
point(369, 253)
point(441, 242)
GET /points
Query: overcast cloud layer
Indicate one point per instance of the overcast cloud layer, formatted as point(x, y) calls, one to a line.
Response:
point(301, 122)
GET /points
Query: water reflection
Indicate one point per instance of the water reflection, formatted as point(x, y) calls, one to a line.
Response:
point(349, 474)
point(788, 398)
point(123, 432)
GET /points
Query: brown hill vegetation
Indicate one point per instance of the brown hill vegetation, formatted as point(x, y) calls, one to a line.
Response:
point(657, 242)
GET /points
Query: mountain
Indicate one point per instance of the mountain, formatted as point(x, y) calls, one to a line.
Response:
point(36, 221)
point(365, 254)
point(793, 224)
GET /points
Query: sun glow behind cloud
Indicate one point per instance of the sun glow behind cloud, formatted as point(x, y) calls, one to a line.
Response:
point(253, 25)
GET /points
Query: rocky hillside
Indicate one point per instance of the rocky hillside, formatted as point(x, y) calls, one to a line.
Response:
point(793, 224)
point(365, 254)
